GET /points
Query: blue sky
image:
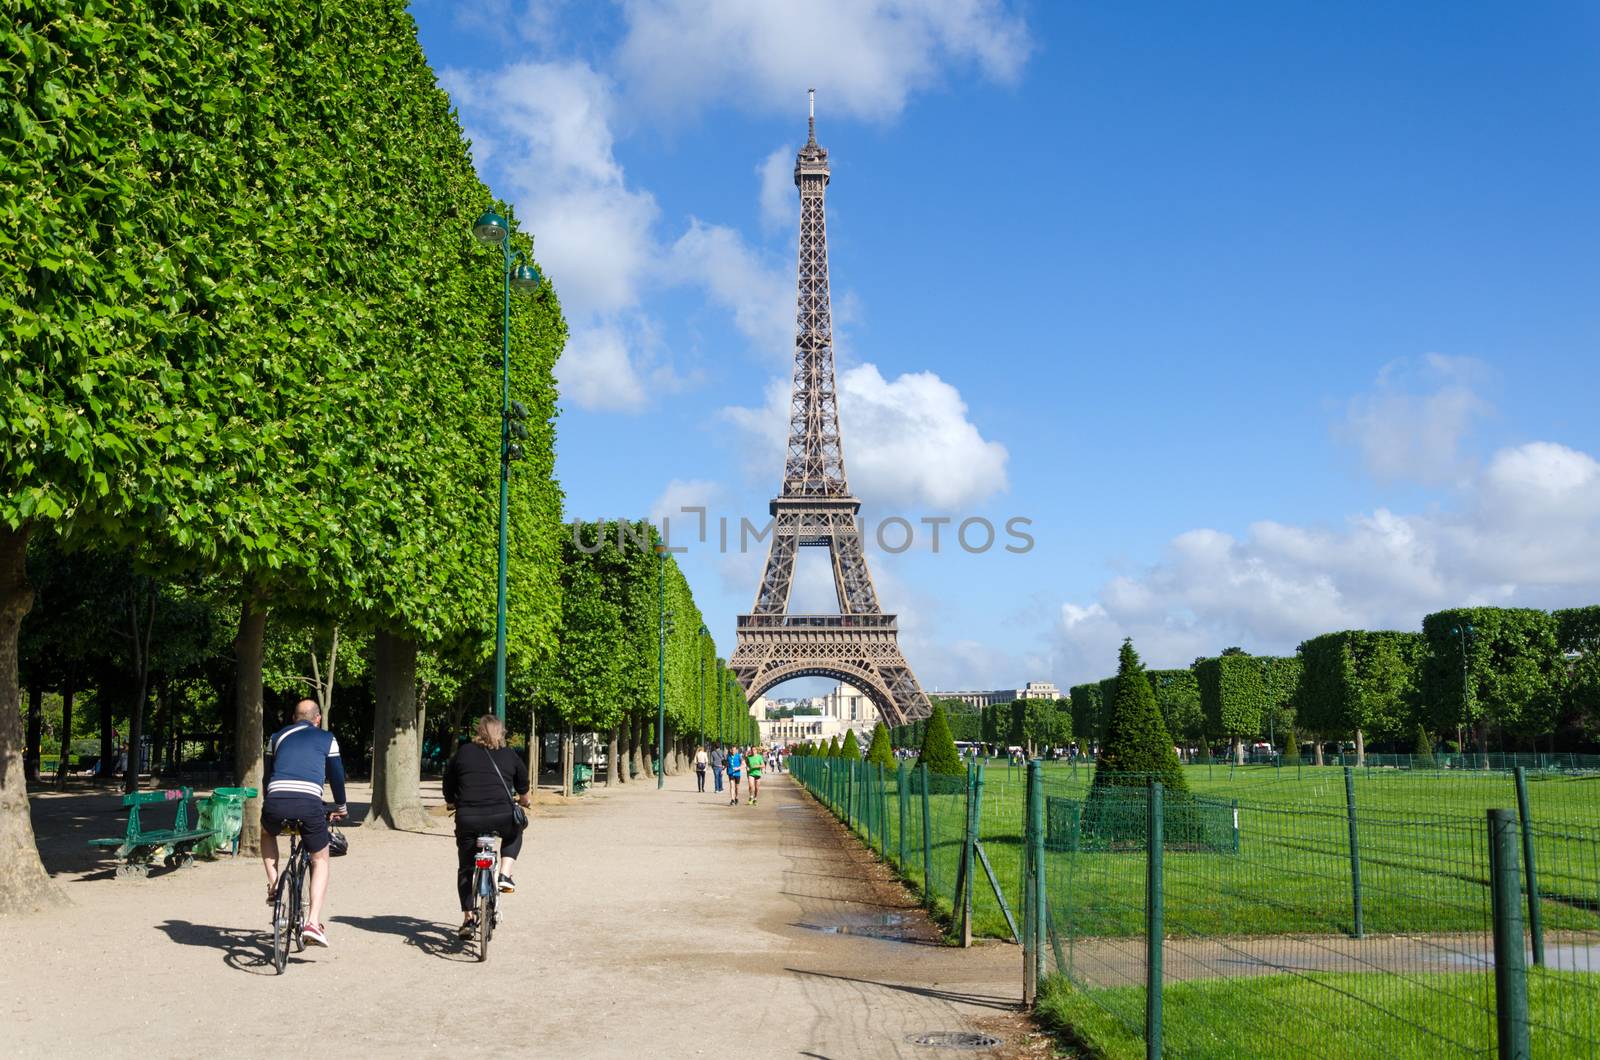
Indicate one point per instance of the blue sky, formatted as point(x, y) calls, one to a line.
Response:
point(1273, 318)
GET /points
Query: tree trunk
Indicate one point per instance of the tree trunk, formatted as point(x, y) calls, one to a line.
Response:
point(248, 649)
point(1318, 750)
point(1238, 750)
point(396, 797)
point(64, 766)
point(566, 764)
point(24, 887)
point(163, 722)
point(636, 751)
point(30, 755)
point(1361, 749)
point(614, 772)
point(533, 745)
point(108, 734)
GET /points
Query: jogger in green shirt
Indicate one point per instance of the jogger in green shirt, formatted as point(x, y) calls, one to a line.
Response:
point(756, 761)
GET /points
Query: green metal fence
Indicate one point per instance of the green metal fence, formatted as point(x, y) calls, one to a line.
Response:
point(1335, 912)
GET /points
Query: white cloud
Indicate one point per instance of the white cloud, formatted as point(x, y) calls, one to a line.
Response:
point(595, 371)
point(1524, 536)
point(1412, 425)
point(740, 280)
point(906, 442)
point(779, 202)
point(550, 127)
point(864, 57)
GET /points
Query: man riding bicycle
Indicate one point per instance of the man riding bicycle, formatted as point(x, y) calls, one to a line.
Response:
point(300, 758)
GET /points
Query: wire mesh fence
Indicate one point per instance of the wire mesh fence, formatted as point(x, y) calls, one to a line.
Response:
point(1334, 912)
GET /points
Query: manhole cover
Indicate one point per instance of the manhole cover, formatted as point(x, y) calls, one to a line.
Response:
point(954, 1040)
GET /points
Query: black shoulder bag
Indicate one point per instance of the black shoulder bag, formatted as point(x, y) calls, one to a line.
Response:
point(518, 814)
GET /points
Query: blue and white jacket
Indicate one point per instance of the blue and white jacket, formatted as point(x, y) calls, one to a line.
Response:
point(299, 759)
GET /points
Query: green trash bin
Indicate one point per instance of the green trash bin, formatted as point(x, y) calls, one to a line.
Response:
point(582, 774)
point(223, 815)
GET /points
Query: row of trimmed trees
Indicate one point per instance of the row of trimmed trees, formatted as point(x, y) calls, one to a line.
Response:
point(619, 589)
point(248, 374)
point(1032, 724)
point(1487, 676)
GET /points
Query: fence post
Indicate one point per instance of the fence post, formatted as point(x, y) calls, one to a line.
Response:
point(1154, 926)
point(927, 836)
point(1535, 921)
point(964, 887)
point(1510, 971)
point(1033, 908)
point(1355, 851)
point(901, 794)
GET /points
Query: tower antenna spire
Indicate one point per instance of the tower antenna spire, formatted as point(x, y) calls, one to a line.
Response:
point(811, 118)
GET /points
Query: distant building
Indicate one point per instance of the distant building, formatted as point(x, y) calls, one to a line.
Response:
point(994, 697)
point(845, 707)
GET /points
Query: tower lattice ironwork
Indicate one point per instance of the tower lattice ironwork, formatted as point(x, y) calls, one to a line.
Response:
point(860, 644)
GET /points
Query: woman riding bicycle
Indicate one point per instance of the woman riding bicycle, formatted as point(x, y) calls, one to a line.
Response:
point(478, 785)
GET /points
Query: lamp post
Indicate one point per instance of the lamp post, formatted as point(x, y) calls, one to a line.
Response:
point(722, 725)
point(491, 229)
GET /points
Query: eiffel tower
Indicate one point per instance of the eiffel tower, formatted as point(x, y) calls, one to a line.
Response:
point(859, 645)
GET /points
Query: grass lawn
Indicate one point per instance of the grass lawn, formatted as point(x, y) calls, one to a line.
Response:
point(1335, 1015)
point(1422, 836)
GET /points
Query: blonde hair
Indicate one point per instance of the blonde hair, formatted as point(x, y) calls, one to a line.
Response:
point(490, 732)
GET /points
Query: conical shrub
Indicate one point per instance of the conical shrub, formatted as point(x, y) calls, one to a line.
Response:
point(1422, 753)
point(939, 747)
point(1137, 747)
point(850, 750)
point(880, 752)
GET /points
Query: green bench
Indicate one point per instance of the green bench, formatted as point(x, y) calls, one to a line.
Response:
point(139, 849)
point(582, 777)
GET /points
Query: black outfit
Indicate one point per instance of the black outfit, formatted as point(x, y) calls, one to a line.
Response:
point(483, 806)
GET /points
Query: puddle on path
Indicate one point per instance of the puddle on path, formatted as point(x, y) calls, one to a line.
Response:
point(893, 927)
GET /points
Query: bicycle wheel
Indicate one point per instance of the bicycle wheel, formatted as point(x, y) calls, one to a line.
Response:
point(280, 925)
point(297, 918)
point(485, 910)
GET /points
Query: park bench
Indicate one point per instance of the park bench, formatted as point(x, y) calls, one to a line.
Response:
point(139, 848)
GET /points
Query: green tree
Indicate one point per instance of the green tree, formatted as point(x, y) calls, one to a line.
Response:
point(1233, 696)
point(1291, 748)
point(1137, 747)
point(1578, 638)
point(939, 747)
point(1177, 694)
point(879, 751)
point(1514, 671)
point(833, 747)
point(1422, 750)
point(850, 750)
point(1085, 702)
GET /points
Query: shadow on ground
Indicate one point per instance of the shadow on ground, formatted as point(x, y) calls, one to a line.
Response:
point(434, 939)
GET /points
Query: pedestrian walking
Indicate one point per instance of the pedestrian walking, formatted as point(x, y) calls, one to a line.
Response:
point(701, 761)
point(719, 762)
point(735, 769)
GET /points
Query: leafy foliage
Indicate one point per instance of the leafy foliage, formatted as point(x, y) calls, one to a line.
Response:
point(939, 747)
point(1137, 747)
point(1085, 703)
point(1233, 694)
point(1514, 671)
point(850, 750)
point(1177, 695)
point(1358, 679)
point(879, 751)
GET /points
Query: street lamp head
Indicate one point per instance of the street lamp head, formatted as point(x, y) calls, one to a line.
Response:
point(490, 228)
point(525, 279)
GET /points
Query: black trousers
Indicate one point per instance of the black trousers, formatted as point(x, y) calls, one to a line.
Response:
point(700, 777)
point(470, 824)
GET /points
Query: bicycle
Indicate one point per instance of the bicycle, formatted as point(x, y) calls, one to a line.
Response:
point(288, 900)
point(486, 892)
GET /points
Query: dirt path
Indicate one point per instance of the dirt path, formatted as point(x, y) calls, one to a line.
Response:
point(646, 924)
